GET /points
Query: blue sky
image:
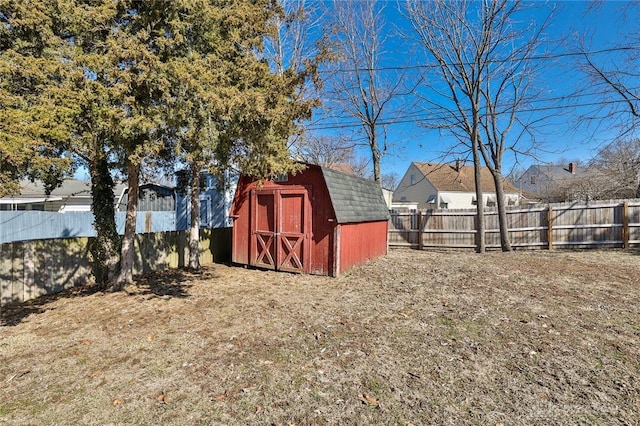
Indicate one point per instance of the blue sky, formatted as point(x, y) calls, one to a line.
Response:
point(563, 136)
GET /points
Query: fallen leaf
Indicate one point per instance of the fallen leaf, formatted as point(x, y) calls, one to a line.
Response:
point(86, 342)
point(163, 398)
point(218, 397)
point(258, 409)
point(369, 400)
point(97, 373)
point(118, 401)
point(249, 388)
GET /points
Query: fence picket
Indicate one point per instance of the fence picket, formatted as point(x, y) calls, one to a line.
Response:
point(610, 223)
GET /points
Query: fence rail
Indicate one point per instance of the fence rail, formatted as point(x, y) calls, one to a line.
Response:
point(613, 223)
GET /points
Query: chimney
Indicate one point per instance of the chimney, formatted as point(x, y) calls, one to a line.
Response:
point(572, 168)
point(458, 164)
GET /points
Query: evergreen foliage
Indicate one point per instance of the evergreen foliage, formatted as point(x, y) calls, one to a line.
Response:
point(117, 84)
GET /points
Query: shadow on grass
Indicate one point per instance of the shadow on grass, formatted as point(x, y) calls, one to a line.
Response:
point(173, 283)
point(13, 314)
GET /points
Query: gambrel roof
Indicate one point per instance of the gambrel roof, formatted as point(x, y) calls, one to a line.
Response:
point(354, 199)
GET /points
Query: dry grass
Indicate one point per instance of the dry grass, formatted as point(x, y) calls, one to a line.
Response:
point(413, 338)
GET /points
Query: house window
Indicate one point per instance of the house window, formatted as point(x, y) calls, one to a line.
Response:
point(403, 198)
point(444, 202)
point(413, 179)
point(532, 179)
point(281, 178)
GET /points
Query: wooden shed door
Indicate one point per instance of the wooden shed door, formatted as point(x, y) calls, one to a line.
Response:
point(280, 229)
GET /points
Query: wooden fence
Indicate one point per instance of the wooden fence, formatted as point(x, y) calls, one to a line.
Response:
point(563, 225)
point(30, 269)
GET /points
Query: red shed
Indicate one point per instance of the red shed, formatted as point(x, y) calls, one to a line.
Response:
point(319, 221)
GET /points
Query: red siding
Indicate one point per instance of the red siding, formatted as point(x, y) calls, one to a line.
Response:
point(322, 218)
point(360, 242)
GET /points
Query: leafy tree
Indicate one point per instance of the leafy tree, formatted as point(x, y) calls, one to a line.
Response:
point(228, 106)
point(66, 108)
point(29, 137)
point(125, 83)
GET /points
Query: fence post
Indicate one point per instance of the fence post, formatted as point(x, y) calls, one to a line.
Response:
point(625, 224)
point(420, 242)
point(550, 228)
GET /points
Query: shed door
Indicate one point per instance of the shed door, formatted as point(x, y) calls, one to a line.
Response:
point(280, 229)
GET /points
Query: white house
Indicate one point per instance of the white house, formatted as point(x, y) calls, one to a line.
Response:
point(448, 186)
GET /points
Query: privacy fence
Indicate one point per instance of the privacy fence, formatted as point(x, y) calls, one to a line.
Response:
point(563, 225)
point(38, 225)
point(29, 269)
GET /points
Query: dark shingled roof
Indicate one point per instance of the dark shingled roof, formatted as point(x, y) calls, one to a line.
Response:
point(355, 199)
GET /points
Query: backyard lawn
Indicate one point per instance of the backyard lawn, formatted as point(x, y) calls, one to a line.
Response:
point(414, 338)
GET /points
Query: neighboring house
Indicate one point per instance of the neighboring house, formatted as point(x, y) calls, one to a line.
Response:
point(448, 186)
point(387, 194)
point(340, 167)
point(556, 183)
point(74, 195)
point(152, 197)
point(216, 198)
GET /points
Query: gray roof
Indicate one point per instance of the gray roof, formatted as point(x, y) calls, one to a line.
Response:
point(557, 171)
point(69, 188)
point(355, 199)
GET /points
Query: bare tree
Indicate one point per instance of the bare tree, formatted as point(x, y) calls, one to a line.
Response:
point(619, 165)
point(293, 44)
point(331, 151)
point(390, 180)
point(481, 81)
point(616, 76)
point(359, 88)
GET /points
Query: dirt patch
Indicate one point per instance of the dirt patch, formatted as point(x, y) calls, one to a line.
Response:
point(413, 338)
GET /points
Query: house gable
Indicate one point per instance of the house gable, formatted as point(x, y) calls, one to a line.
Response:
point(413, 187)
point(446, 185)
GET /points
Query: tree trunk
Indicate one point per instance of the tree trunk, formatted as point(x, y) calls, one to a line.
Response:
point(105, 247)
point(477, 167)
point(375, 154)
point(128, 241)
point(505, 242)
point(194, 230)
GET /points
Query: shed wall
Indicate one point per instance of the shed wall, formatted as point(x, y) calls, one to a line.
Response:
point(322, 218)
point(360, 242)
